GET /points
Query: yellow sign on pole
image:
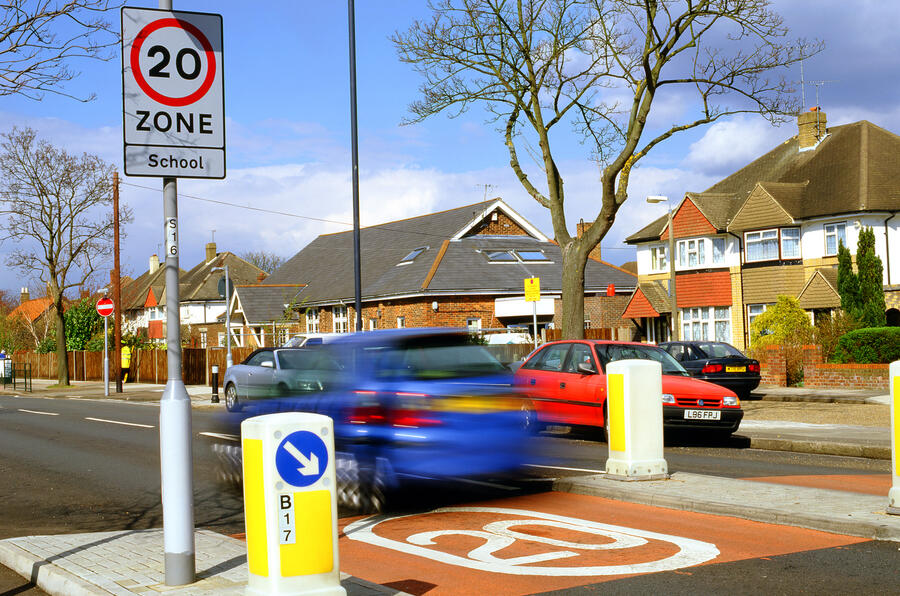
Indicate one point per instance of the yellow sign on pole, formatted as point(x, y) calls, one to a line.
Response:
point(532, 289)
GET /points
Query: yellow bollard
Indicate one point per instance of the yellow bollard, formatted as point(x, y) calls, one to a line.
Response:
point(894, 494)
point(634, 407)
point(290, 504)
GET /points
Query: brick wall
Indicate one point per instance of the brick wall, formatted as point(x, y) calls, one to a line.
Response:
point(772, 366)
point(452, 311)
point(817, 374)
point(504, 226)
point(604, 312)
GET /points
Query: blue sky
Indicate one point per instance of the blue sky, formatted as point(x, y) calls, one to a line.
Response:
point(288, 131)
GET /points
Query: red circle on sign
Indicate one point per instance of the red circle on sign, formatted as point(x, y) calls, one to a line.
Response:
point(152, 93)
point(105, 307)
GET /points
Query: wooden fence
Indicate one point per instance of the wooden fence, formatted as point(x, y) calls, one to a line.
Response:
point(151, 366)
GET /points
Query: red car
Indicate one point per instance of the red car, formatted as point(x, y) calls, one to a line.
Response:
point(566, 384)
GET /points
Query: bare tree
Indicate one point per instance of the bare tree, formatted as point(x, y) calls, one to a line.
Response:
point(596, 66)
point(59, 215)
point(267, 261)
point(38, 38)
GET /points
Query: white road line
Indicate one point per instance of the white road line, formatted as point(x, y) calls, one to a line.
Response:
point(567, 469)
point(118, 422)
point(221, 436)
point(39, 412)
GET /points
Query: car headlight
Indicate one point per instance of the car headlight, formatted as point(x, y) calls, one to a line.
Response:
point(668, 398)
point(730, 400)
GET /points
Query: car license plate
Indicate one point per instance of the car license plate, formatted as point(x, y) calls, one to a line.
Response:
point(735, 369)
point(702, 415)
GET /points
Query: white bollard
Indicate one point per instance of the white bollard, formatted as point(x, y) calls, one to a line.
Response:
point(290, 504)
point(634, 407)
point(894, 494)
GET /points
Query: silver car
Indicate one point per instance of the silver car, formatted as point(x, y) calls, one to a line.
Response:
point(276, 372)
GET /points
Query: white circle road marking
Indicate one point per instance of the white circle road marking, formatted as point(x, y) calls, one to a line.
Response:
point(498, 536)
point(118, 422)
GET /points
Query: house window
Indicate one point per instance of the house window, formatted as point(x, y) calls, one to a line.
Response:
point(312, 320)
point(707, 323)
point(401, 322)
point(790, 243)
point(373, 324)
point(762, 245)
point(834, 233)
point(754, 310)
point(722, 322)
point(339, 319)
point(658, 261)
point(220, 337)
point(691, 253)
point(203, 339)
point(718, 250)
point(412, 255)
point(473, 324)
point(500, 256)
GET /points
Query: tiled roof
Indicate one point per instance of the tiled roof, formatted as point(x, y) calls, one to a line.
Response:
point(446, 265)
point(266, 303)
point(31, 309)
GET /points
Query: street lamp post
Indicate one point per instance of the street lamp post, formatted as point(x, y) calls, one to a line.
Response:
point(673, 303)
point(228, 360)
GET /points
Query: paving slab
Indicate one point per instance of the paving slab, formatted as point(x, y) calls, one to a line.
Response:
point(127, 563)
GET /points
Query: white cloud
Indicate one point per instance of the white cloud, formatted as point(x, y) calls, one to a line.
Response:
point(730, 144)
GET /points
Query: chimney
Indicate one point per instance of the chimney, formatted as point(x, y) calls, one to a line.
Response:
point(154, 264)
point(595, 254)
point(261, 277)
point(210, 251)
point(811, 127)
point(24, 296)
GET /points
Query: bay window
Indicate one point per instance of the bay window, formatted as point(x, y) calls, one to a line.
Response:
point(691, 253)
point(834, 233)
point(339, 319)
point(706, 323)
point(718, 250)
point(790, 243)
point(761, 245)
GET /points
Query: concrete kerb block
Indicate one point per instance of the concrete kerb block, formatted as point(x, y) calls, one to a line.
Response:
point(42, 573)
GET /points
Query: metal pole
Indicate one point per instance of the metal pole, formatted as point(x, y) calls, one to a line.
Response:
point(228, 361)
point(117, 286)
point(106, 356)
point(354, 148)
point(534, 316)
point(673, 302)
point(175, 420)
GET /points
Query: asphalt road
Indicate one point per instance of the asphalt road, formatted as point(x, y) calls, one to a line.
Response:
point(71, 465)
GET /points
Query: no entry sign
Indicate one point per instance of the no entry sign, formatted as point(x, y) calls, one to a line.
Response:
point(105, 307)
point(173, 99)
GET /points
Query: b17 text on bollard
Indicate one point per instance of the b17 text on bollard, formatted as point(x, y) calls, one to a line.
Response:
point(634, 407)
point(894, 494)
point(290, 504)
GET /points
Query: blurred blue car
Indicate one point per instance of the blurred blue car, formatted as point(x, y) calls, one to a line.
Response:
point(415, 404)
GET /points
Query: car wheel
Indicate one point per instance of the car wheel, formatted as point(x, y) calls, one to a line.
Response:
point(232, 403)
point(282, 389)
point(360, 487)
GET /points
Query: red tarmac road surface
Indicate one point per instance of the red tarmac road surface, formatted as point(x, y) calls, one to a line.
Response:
point(553, 533)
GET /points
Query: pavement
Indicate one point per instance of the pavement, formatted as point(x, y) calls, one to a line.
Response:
point(130, 562)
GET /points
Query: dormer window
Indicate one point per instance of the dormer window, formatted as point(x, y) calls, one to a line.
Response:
point(516, 256)
point(412, 255)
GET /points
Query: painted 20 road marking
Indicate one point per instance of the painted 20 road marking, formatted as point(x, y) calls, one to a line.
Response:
point(498, 535)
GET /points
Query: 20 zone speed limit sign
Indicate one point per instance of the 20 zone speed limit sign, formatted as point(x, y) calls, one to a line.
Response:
point(173, 96)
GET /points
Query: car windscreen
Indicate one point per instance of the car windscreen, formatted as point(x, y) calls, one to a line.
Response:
point(670, 366)
point(719, 350)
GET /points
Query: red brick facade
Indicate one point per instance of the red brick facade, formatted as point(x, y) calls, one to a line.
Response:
point(452, 311)
point(504, 226)
point(703, 289)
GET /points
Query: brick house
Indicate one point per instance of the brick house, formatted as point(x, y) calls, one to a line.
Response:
point(464, 267)
point(263, 315)
point(772, 228)
point(144, 299)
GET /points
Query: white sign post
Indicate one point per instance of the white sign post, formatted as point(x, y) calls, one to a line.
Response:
point(173, 105)
point(105, 307)
point(173, 93)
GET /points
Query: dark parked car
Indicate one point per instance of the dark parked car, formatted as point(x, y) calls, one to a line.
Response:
point(566, 383)
point(408, 404)
point(716, 362)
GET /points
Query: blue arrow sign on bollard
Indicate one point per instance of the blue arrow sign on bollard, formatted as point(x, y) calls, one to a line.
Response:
point(301, 458)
